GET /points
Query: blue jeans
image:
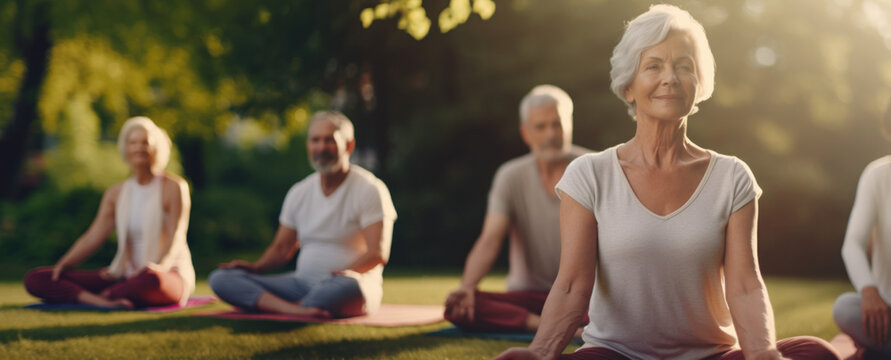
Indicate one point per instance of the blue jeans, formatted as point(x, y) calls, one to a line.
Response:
point(339, 295)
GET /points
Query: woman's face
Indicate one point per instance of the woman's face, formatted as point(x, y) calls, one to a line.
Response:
point(138, 151)
point(665, 85)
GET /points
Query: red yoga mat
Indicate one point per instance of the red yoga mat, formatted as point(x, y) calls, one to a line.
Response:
point(389, 315)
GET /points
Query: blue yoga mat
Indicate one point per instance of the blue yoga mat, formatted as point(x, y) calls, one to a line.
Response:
point(194, 301)
point(61, 307)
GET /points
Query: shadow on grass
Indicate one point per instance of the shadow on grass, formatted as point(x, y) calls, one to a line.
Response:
point(184, 323)
point(410, 345)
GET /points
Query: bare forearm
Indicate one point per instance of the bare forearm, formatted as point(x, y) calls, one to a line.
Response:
point(753, 319)
point(82, 248)
point(273, 258)
point(479, 262)
point(562, 314)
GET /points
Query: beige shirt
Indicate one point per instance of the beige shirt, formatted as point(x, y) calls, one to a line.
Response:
point(534, 254)
point(659, 288)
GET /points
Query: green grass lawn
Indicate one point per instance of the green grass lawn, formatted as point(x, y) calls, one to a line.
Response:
point(801, 306)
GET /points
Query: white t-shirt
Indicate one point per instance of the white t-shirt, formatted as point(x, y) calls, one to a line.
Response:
point(534, 251)
point(659, 289)
point(329, 227)
point(871, 211)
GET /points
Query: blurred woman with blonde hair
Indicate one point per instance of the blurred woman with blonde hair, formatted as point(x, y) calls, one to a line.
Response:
point(149, 212)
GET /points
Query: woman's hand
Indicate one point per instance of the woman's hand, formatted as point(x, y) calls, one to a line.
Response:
point(105, 275)
point(876, 315)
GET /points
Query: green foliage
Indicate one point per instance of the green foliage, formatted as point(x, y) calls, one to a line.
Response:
point(438, 187)
point(241, 210)
point(81, 159)
point(229, 219)
point(43, 227)
point(413, 16)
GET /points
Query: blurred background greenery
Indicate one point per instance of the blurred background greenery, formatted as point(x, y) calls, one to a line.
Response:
point(433, 88)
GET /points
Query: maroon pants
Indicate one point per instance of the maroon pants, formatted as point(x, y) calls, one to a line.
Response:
point(148, 288)
point(795, 348)
point(501, 312)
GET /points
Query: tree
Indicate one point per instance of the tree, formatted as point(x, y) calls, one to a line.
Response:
point(31, 29)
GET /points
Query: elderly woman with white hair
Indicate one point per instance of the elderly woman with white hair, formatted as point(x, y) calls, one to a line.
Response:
point(659, 235)
point(150, 214)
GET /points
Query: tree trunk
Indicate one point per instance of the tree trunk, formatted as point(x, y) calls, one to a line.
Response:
point(191, 151)
point(31, 29)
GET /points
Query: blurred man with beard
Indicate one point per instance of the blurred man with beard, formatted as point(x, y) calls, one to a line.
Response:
point(340, 218)
point(523, 207)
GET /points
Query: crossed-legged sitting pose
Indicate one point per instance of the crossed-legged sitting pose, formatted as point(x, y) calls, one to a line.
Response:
point(150, 214)
point(865, 315)
point(523, 206)
point(340, 218)
point(658, 235)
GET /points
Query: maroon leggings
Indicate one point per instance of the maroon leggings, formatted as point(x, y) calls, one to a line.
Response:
point(795, 348)
point(501, 312)
point(148, 288)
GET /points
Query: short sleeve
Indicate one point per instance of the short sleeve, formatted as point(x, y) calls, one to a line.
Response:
point(745, 188)
point(579, 182)
point(288, 216)
point(376, 205)
point(499, 194)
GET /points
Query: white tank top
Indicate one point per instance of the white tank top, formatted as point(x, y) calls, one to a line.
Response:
point(138, 199)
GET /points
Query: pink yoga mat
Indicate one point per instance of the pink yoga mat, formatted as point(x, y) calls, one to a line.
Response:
point(389, 315)
point(197, 300)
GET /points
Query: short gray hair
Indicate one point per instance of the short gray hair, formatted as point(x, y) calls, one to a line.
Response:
point(343, 124)
point(545, 95)
point(157, 140)
point(651, 28)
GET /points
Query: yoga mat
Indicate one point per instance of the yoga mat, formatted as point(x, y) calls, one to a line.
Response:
point(194, 301)
point(522, 337)
point(844, 345)
point(389, 315)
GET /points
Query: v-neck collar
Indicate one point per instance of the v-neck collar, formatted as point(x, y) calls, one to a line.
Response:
point(331, 195)
point(540, 186)
point(702, 182)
